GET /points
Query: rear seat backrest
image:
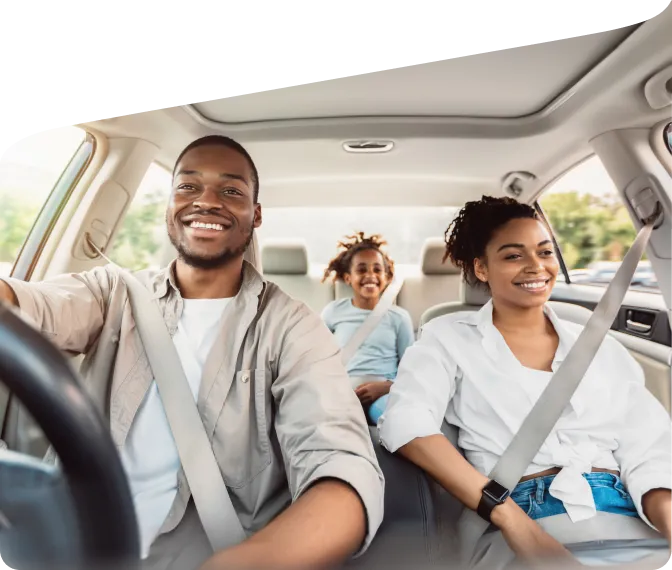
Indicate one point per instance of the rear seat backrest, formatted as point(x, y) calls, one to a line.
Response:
point(438, 282)
point(285, 262)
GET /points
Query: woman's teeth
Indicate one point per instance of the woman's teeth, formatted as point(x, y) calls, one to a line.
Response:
point(533, 285)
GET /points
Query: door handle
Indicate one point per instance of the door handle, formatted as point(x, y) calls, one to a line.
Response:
point(637, 327)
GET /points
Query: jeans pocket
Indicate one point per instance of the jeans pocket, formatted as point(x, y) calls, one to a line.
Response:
point(620, 487)
point(526, 502)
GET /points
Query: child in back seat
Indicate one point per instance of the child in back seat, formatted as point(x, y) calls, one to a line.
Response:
point(364, 266)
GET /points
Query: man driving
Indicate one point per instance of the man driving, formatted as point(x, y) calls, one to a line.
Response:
point(286, 430)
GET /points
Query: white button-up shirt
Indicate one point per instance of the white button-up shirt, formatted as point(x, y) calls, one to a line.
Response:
point(462, 370)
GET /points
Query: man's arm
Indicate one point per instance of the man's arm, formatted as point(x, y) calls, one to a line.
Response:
point(7, 294)
point(68, 309)
point(332, 471)
point(326, 525)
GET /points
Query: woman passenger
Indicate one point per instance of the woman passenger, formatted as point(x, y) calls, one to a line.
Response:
point(483, 371)
point(364, 266)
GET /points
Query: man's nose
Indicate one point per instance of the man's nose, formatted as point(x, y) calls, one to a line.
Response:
point(208, 200)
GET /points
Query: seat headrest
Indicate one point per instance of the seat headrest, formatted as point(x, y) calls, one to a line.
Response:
point(474, 295)
point(432, 256)
point(284, 257)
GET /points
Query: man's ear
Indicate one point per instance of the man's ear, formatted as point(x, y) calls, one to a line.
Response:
point(257, 215)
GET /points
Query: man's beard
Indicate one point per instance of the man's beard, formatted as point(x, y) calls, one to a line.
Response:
point(215, 261)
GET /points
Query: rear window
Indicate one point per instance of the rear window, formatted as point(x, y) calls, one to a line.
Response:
point(667, 134)
point(405, 229)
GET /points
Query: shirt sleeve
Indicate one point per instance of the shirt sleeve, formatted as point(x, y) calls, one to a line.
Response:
point(319, 421)
point(644, 441)
point(420, 394)
point(68, 309)
point(405, 333)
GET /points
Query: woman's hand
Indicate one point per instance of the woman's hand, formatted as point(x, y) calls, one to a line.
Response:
point(657, 506)
point(368, 393)
point(526, 538)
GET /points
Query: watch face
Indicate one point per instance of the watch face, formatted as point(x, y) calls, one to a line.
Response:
point(498, 492)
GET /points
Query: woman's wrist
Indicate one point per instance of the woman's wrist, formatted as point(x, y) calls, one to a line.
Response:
point(507, 514)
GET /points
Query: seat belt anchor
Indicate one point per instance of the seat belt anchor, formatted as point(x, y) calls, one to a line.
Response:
point(648, 208)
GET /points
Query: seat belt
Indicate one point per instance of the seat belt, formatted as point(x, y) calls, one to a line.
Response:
point(211, 497)
point(545, 413)
point(371, 322)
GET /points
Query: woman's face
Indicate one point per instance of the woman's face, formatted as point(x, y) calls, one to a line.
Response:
point(520, 265)
point(367, 276)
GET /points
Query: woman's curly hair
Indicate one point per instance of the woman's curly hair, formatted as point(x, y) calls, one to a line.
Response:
point(472, 229)
point(351, 245)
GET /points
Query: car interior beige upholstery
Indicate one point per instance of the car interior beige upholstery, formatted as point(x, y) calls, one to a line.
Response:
point(437, 282)
point(285, 262)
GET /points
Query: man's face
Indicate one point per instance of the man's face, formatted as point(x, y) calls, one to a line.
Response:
point(211, 214)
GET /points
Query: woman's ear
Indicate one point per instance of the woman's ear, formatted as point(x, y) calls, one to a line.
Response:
point(481, 270)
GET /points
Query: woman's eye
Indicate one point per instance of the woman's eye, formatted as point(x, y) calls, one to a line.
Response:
point(547, 253)
point(513, 256)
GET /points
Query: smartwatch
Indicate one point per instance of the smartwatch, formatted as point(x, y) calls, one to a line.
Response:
point(493, 494)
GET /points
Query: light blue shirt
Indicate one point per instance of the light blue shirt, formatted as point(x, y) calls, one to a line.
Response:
point(380, 353)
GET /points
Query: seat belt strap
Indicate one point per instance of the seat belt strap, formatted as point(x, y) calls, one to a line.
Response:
point(211, 497)
point(545, 413)
point(366, 328)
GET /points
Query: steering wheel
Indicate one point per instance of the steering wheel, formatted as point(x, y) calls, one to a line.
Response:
point(80, 515)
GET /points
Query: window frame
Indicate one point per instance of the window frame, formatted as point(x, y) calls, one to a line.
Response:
point(667, 137)
point(42, 228)
point(556, 245)
point(52, 209)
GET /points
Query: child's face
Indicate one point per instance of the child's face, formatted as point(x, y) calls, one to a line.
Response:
point(367, 276)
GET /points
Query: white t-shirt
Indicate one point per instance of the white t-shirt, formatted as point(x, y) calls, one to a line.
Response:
point(149, 454)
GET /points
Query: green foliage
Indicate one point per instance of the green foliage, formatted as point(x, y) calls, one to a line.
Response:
point(589, 228)
point(140, 235)
point(16, 220)
point(138, 239)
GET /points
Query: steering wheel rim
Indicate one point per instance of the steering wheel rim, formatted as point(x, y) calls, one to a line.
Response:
point(40, 377)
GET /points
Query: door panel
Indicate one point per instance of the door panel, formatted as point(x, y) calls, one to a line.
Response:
point(657, 376)
point(639, 311)
point(650, 348)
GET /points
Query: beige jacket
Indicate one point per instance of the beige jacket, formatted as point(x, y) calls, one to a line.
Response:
point(275, 399)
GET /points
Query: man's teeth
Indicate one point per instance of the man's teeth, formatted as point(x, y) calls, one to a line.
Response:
point(206, 226)
point(533, 285)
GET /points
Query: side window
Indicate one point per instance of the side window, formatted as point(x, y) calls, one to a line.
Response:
point(593, 227)
point(29, 171)
point(37, 176)
point(667, 136)
point(141, 242)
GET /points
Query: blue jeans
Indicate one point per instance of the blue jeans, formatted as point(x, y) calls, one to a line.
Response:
point(377, 408)
point(609, 494)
